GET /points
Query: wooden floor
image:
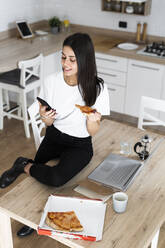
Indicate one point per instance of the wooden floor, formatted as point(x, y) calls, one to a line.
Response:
point(12, 145)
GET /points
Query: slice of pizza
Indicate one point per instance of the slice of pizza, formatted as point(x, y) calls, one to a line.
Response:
point(64, 221)
point(86, 109)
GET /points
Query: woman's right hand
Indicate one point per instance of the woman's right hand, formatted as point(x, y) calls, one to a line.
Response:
point(47, 117)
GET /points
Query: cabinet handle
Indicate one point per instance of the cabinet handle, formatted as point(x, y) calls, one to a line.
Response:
point(110, 60)
point(146, 67)
point(111, 89)
point(108, 74)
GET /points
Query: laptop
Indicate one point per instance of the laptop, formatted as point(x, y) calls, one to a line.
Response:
point(116, 171)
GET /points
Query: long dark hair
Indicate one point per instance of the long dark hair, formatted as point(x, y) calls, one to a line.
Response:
point(88, 82)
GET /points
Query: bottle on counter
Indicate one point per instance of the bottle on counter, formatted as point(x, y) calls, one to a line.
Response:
point(138, 32)
point(66, 24)
point(144, 32)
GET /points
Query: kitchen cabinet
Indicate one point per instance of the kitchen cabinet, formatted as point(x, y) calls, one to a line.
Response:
point(52, 63)
point(144, 79)
point(113, 71)
point(116, 95)
point(138, 7)
point(105, 61)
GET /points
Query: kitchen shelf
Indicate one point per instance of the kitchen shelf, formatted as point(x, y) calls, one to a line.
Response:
point(139, 7)
point(134, 1)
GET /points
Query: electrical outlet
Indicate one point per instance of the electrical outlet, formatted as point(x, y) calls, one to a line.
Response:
point(123, 24)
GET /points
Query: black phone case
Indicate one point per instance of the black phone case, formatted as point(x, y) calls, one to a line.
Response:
point(44, 103)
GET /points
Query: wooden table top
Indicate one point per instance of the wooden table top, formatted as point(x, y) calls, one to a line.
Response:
point(145, 211)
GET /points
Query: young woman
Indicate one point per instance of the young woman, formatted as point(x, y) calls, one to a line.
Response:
point(69, 131)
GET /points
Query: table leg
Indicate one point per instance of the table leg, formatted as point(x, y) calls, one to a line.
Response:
point(154, 242)
point(6, 240)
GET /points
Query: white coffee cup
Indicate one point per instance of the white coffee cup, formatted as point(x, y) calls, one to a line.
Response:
point(120, 200)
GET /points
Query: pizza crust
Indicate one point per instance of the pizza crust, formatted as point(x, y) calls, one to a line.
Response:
point(86, 109)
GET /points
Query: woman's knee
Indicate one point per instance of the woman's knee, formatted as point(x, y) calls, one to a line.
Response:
point(57, 183)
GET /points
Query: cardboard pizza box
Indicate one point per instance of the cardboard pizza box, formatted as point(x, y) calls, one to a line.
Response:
point(91, 214)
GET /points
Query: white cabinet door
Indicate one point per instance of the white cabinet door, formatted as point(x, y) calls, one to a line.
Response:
point(111, 62)
point(117, 97)
point(116, 87)
point(144, 79)
point(113, 70)
point(52, 63)
point(112, 76)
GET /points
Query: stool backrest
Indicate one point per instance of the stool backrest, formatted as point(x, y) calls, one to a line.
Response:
point(37, 124)
point(31, 68)
point(146, 118)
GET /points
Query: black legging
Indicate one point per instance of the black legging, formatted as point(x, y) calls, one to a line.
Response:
point(73, 153)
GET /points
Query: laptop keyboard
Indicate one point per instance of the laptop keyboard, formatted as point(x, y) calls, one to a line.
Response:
point(116, 171)
point(120, 175)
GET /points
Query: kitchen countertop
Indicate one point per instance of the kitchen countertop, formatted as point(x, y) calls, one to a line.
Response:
point(15, 49)
point(130, 54)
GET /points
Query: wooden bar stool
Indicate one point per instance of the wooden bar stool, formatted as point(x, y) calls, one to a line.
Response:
point(27, 77)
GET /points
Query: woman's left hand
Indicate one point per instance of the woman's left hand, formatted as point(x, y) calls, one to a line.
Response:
point(93, 123)
point(94, 117)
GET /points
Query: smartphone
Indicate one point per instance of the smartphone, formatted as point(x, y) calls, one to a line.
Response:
point(44, 103)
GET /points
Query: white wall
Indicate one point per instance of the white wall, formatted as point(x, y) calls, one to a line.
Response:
point(12, 10)
point(85, 12)
point(88, 12)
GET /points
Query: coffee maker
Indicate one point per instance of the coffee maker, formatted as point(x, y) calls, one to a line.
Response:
point(143, 148)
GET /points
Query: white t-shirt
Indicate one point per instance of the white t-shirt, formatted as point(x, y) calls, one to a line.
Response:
point(63, 98)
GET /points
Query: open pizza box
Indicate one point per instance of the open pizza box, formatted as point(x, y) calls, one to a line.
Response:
point(91, 214)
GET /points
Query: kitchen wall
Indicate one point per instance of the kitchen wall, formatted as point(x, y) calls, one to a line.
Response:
point(85, 12)
point(88, 12)
point(12, 10)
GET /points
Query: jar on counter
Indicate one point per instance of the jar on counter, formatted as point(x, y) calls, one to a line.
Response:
point(129, 8)
point(139, 8)
point(108, 4)
point(117, 6)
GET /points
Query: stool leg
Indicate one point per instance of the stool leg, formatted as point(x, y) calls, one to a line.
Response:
point(6, 98)
point(19, 104)
point(1, 109)
point(25, 114)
